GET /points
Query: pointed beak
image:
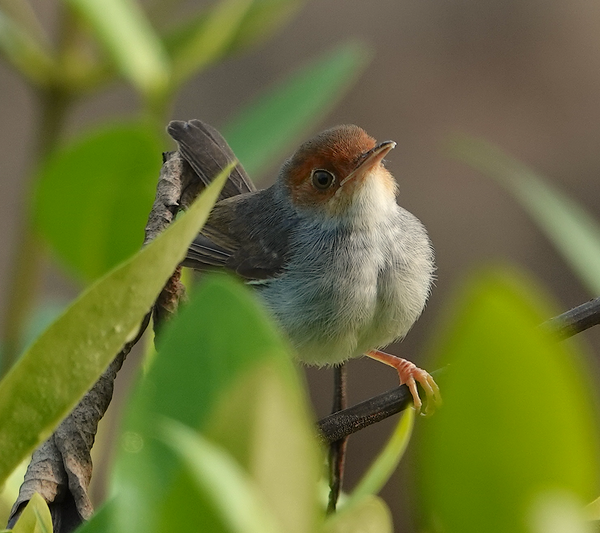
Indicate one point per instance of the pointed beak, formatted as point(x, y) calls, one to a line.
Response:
point(369, 161)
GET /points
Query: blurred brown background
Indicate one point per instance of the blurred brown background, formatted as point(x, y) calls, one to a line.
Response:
point(524, 74)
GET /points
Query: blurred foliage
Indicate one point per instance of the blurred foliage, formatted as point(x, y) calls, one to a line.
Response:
point(218, 435)
point(518, 422)
point(386, 462)
point(570, 228)
point(516, 447)
point(247, 401)
point(226, 28)
point(107, 178)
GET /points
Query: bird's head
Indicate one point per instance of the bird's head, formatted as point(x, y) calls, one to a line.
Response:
point(339, 173)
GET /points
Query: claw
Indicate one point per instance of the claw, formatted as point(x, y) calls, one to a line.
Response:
point(410, 374)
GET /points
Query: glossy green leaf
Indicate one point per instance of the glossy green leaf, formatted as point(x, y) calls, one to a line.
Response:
point(67, 359)
point(517, 419)
point(205, 359)
point(573, 230)
point(122, 28)
point(386, 461)
point(222, 479)
point(93, 197)
point(23, 51)
point(368, 515)
point(35, 517)
point(270, 125)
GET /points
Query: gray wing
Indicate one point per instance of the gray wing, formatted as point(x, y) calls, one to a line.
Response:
point(248, 234)
point(207, 152)
point(248, 230)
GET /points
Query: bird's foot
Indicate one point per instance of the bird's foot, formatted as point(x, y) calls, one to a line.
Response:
point(410, 374)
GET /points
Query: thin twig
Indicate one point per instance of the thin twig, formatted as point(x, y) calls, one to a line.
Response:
point(373, 410)
point(339, 425)
point(576, 320)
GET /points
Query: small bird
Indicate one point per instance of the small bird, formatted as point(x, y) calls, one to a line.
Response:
point(342, 267)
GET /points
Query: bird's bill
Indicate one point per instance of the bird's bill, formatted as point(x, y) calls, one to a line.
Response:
point(369, 161)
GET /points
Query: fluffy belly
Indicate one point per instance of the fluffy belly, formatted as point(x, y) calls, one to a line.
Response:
point(351, 289)
point(358, 306)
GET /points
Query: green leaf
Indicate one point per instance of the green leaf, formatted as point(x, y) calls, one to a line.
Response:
point(260, 22)
point(206, 41)
point(228, 27)
point(386, 462)
point(221, 478)
point(35, 517)
point(558, 512)
point(262, 421)
point(93, 197)
point(10, 489)
point(574, 232)
point(67, 359)
point(517, 420)
point(270, 125)
point(122, 28)
point(205, 372)
point(41, 317)
point(24, 52)
point(368, 515)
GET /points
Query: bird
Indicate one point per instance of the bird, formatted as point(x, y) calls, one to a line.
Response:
point(342, 268)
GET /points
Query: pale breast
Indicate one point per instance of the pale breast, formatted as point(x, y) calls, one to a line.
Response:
point(346, 291)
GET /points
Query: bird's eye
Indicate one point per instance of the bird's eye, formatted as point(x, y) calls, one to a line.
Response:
point(322, 179)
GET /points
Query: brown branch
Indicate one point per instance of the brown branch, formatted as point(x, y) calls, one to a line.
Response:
point(177, 189)
point(167, 204)
point(61, 468)
point(338, 425)
point(576, 320)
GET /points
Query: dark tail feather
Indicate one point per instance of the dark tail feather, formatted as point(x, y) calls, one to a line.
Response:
point(207, 152)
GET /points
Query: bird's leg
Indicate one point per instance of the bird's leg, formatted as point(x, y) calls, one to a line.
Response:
point(337, 449)
point(411, 374)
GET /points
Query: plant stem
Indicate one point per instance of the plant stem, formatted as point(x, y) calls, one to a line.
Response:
point(26, 268)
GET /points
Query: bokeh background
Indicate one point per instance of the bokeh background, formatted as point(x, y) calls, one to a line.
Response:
point(523, 74)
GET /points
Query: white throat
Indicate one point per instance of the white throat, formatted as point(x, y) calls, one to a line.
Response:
point(373, 201)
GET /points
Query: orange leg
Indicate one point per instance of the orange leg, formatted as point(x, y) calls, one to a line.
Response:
point(411, 374)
